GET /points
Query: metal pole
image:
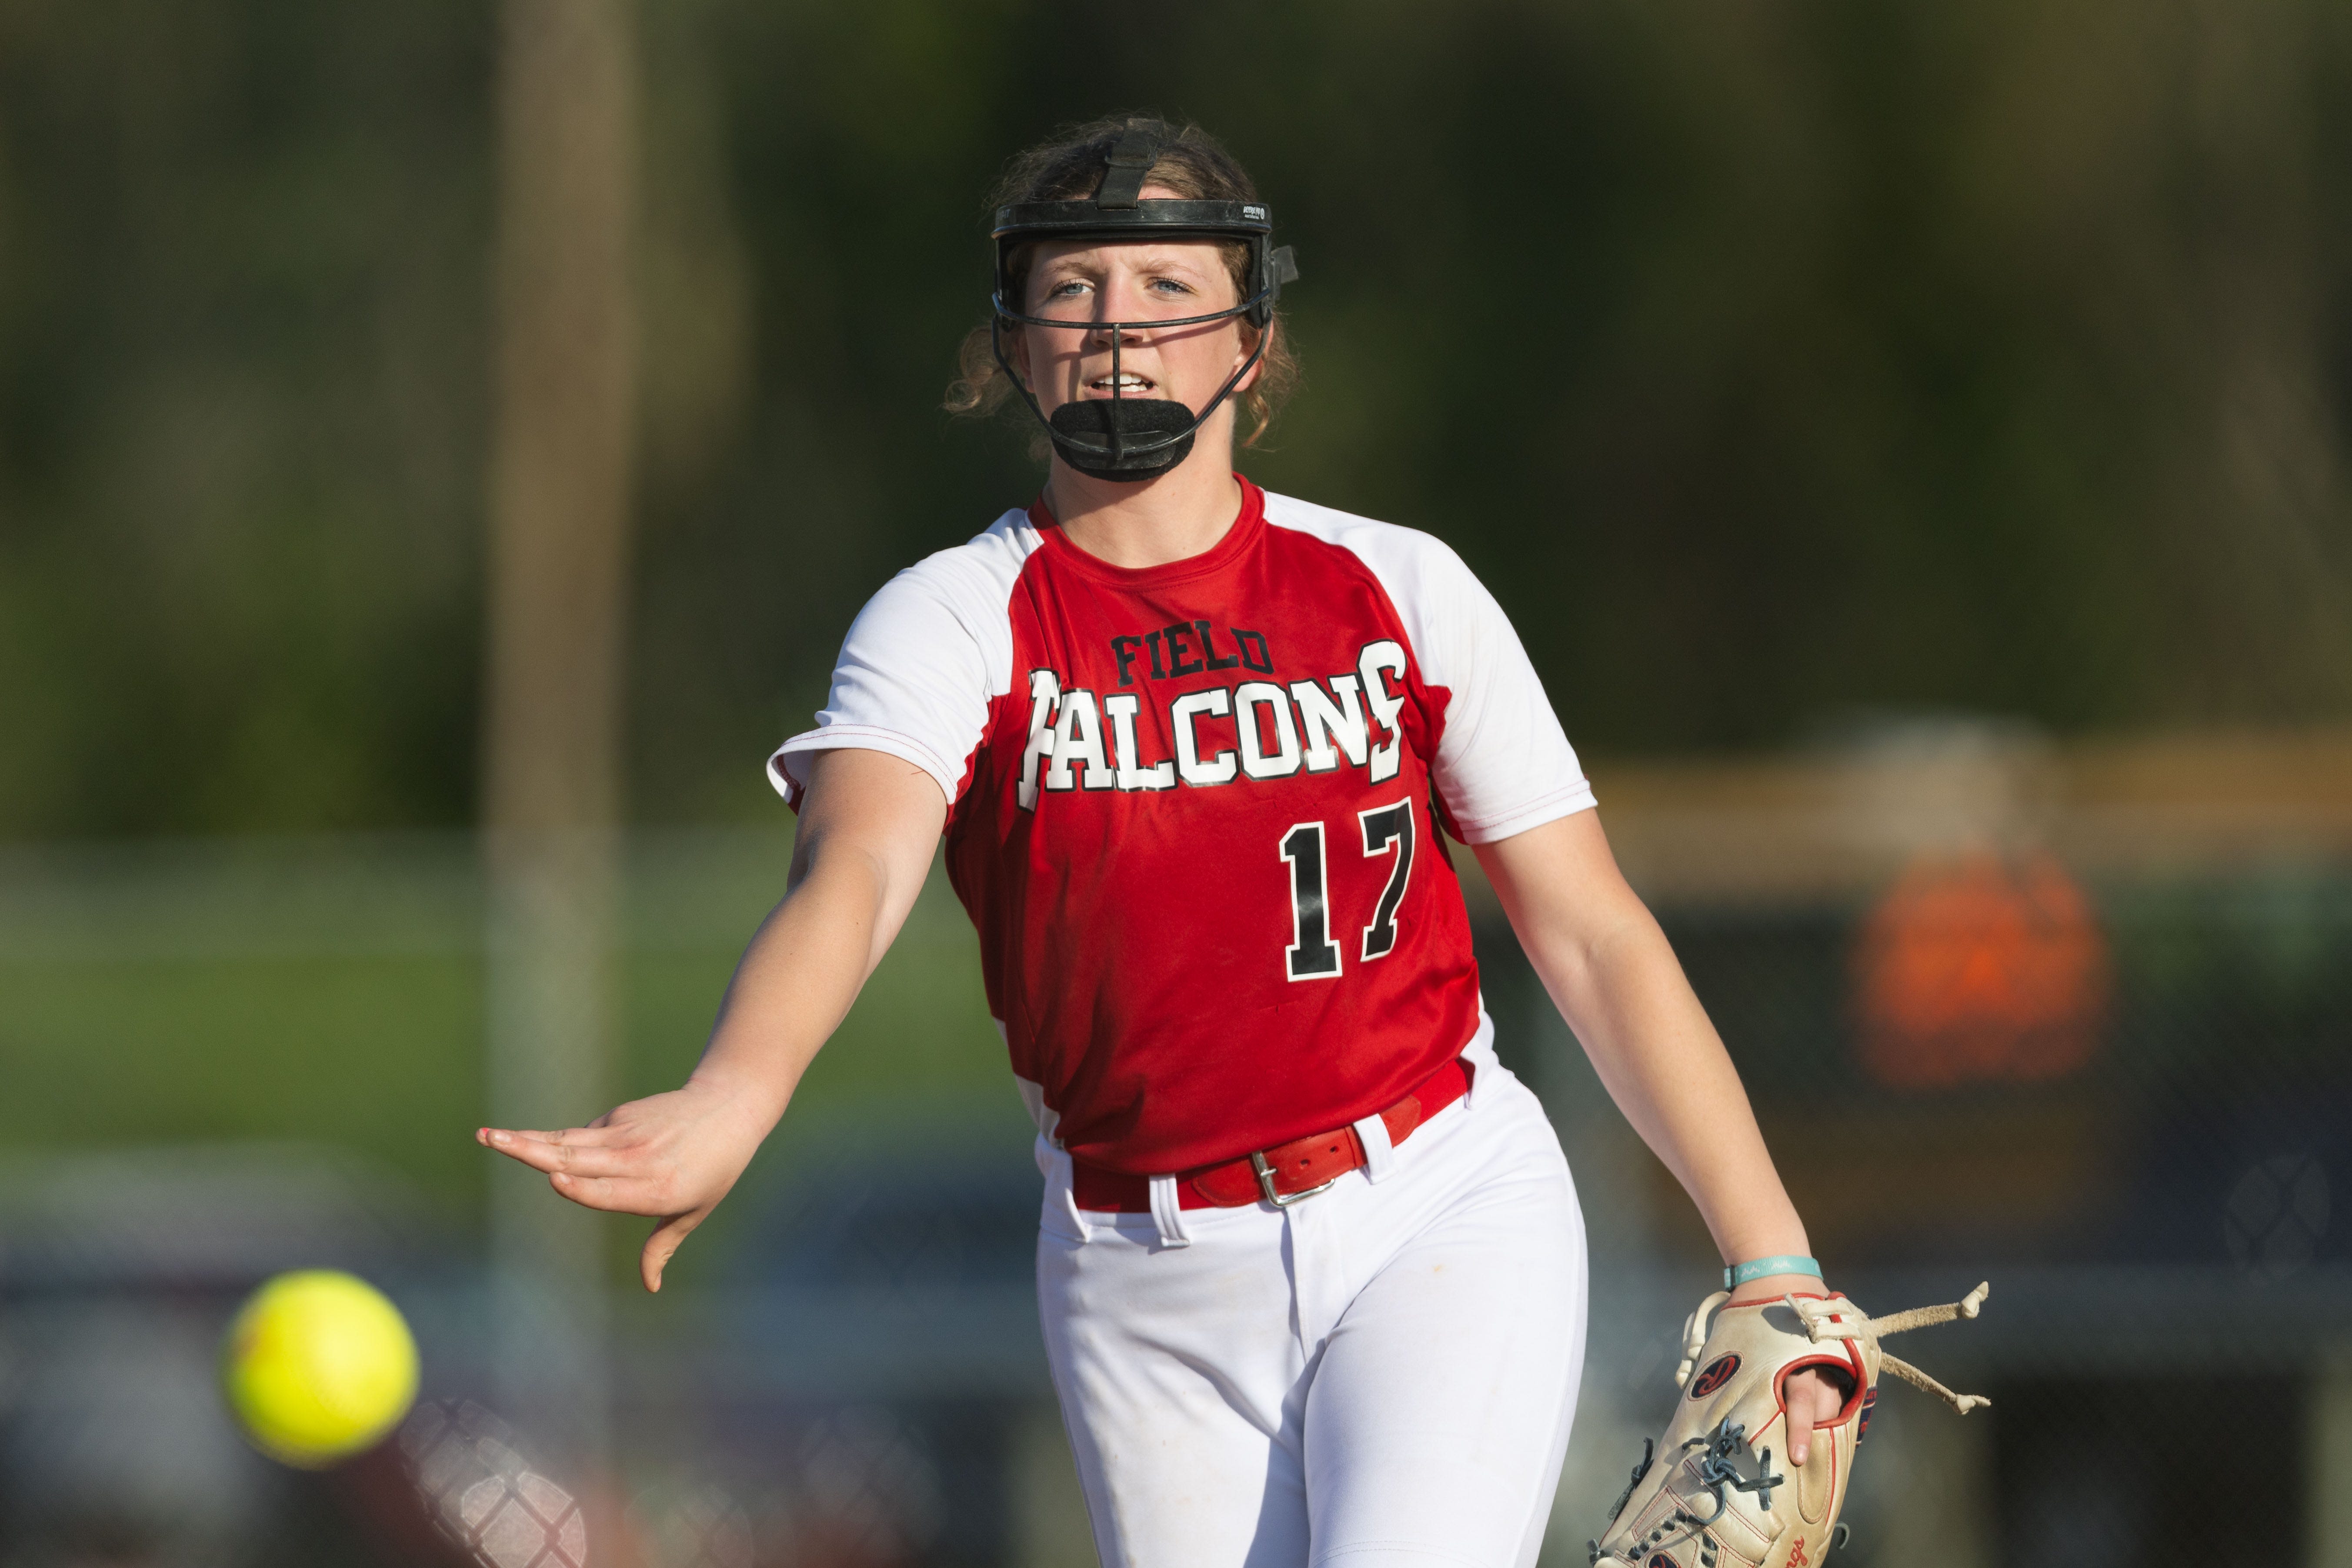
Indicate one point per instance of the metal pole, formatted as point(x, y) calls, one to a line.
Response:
point(560, 485)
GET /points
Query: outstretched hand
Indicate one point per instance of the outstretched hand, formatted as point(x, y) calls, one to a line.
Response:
point(670, 1157)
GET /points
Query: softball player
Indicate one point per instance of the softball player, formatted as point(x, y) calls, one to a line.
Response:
point(1310, 1266)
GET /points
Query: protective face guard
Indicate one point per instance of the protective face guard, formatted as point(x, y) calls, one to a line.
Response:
point(1127, 438)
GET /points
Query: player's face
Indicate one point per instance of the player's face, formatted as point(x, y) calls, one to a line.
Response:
point(1087, 282)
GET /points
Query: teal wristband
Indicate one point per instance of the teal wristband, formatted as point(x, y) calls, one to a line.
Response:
point(1764, 1267)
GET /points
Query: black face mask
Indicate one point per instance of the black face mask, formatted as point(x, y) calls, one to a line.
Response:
point(1134, 438)
point(1124, 438)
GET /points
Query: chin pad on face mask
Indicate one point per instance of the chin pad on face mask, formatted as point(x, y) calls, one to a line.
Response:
point(1096, 436)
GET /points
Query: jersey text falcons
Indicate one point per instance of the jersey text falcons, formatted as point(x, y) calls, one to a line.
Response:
point(1277, 730)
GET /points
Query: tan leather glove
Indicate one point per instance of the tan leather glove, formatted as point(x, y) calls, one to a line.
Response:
point(1715, 1491)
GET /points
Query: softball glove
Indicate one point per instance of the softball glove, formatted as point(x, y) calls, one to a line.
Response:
point(1715, 1491)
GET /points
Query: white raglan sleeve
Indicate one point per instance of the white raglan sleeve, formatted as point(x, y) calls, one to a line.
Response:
point(916, 674)
point(1503, 763)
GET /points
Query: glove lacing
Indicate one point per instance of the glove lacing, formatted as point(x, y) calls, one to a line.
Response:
point(1824, 1321)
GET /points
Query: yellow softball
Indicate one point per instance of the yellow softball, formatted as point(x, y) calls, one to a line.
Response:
point(318, 1366)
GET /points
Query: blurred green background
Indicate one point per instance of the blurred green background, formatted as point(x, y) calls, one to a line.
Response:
point(1767, 363)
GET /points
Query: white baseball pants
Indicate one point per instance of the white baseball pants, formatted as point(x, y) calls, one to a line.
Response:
point(1381, 1375)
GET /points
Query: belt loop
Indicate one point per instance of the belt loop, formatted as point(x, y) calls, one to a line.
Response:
point(1167, 1213)
point(1380, 1153)
point(1478, 1059)
point(1062, 1179)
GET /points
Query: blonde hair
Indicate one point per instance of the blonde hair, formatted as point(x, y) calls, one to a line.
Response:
point(1066, 167)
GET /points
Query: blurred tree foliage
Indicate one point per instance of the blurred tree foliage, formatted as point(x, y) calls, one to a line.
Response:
point(1768, 362)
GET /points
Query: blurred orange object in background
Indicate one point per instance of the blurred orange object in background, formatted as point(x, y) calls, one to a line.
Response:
point(1980, 968)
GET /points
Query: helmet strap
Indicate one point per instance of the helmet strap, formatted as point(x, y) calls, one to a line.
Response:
point(1130, 159)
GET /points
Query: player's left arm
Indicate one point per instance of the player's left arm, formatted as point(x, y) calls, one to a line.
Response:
point(1616, 981)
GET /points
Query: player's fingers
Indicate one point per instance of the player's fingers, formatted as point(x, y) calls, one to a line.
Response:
point(595, 1132)
point(1801, 1397)
point(529, 1150)
point(540, 1151)
point(539, 1157)
point(1828, 1400)
point(613, 1195)
point(1804, 1414)
point(662, 1246)
point(572, 1162)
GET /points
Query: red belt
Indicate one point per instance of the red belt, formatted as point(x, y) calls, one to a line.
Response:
point(1280, 1176)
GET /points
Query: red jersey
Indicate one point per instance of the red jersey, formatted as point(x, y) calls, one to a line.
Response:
point(1194, 812)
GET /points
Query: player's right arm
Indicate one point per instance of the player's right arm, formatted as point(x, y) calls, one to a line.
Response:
point(868, 823)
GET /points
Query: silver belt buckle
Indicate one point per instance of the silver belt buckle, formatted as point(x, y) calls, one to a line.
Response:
point(1265, 1184)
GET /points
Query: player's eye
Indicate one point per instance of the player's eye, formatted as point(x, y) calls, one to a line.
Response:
point(1171, 286)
